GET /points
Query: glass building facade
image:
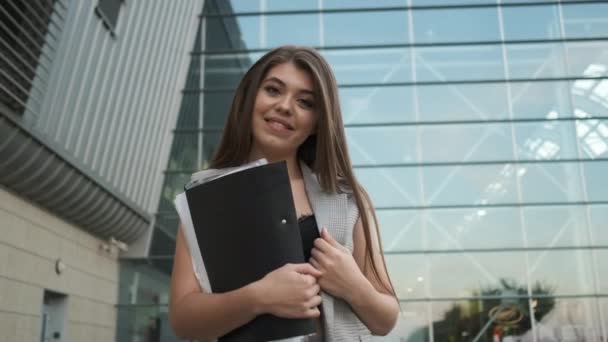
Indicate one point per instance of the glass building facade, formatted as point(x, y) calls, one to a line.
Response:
point(480, 130)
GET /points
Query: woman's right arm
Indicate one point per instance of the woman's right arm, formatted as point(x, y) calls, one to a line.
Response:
point(290, 291)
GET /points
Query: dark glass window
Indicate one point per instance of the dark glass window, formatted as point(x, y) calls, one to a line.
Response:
point(108, 12)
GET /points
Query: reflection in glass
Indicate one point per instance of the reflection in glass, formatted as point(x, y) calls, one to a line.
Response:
point(472, 274)
point(531, 22)
point(463, 102)
point(360, 28)
point(587, 59)
point(414, 316)
point(545, 140)
point(475, 228)
point(370, 65)
point(598, 219)
point(459, 63)
point(556, 226)
point(400, 230)
point(467, 142)
point(548, 100)
point(596, 180)
point(382, 145)
point(456, 25)
point(567, 272)
point(536, 61)
point(389, 187)
point(554, 182)
point(377, 105)
point(601, 259)
point(409, 275)
point(585, 20)
point(288, 29)
point(569, 320)
point(471, 184)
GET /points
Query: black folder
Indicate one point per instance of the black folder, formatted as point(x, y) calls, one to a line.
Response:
point(246, 227)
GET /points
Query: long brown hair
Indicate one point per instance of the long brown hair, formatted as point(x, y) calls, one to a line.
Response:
point(324, 152)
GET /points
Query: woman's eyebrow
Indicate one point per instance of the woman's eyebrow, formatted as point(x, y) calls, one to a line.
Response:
point(281, 83)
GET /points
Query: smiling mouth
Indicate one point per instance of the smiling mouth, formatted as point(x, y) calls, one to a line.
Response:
point(279, 124)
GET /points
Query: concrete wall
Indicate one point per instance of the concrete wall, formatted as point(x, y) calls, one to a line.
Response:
point(31, 240)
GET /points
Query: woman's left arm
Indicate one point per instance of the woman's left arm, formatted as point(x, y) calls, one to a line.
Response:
point(343, 277)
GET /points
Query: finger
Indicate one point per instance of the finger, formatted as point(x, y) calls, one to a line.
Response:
point(314, 302)
point(327, 237)
point(315, 263)
point(317, 255)
point(310, 280)
point(307, 268)
point(312, 313)
point(323, 245)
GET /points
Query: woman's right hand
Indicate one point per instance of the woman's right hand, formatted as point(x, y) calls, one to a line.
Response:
point(290, 291)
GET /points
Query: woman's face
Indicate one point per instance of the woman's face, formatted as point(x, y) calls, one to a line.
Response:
point(284, 113)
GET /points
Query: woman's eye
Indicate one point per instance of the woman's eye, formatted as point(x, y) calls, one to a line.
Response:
point(271, 90)
point(306, 103)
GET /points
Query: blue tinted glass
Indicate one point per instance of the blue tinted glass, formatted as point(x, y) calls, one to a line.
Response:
point(585, 20)
point(338, 4)
point(573, 276)
point(545, 140)
point(536, 61)
point(411, 281)
point(587, 59)
point(291, 5)
point(389, 187)
point(469, 228)
point(531, 22)
point(465, 275)
point(556, 226)
point(370, 65)
point(459, 63)
point(598, 219)
point(377, 104)
point(381, 145)
point(365, 28)
point(232, 33)
point(540, 100)
point(301, 29)
point(456, 143)
point(550, 183)
point(602, 266)
point(238, 6)
point(456, 25)
point(470, 185)
point(401, 230)
point(463, 102)
point(596, 179)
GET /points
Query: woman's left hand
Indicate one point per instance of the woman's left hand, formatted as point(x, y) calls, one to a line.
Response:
point(340, 273)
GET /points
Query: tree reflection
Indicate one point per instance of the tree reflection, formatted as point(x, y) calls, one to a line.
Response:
point(503, 311)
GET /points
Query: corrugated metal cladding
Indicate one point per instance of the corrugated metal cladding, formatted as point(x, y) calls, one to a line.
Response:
point(95, 131)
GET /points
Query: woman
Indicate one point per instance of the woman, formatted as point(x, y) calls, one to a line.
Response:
point(286, 108)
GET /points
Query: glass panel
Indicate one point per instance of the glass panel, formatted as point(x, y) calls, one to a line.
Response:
point(572, 277)
point(473, 228)
point(232, 33)
point(183, 152)
point(463, 102)
point(377, 105)
point(292, 5)
point(587, 59)
point(450, 2)
point(411, 325)
point(370, 65)
point(585, 20)
point(381, 145)
point(470, 184)
point(239, 6)
point(470, 320)
point(471, 142)
point(408, 274)
point(556, 226)
point(211, 142)
point(459, 63)
point(596, 180)
point(162, 244)
point(293, 29)
point(217, 107)
point(592, 137)
point(390, 27)
point(540, 100)
point(569, 320)
point(474, 274)
point(400, 230)
point(598, 217)
point(456, 25)
point(226, 70)
point(551, 182)
point(601, 259)
point(545, 140)
point(389, 187)
point(531, 22)
point(536, 61)
point(336, 4)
